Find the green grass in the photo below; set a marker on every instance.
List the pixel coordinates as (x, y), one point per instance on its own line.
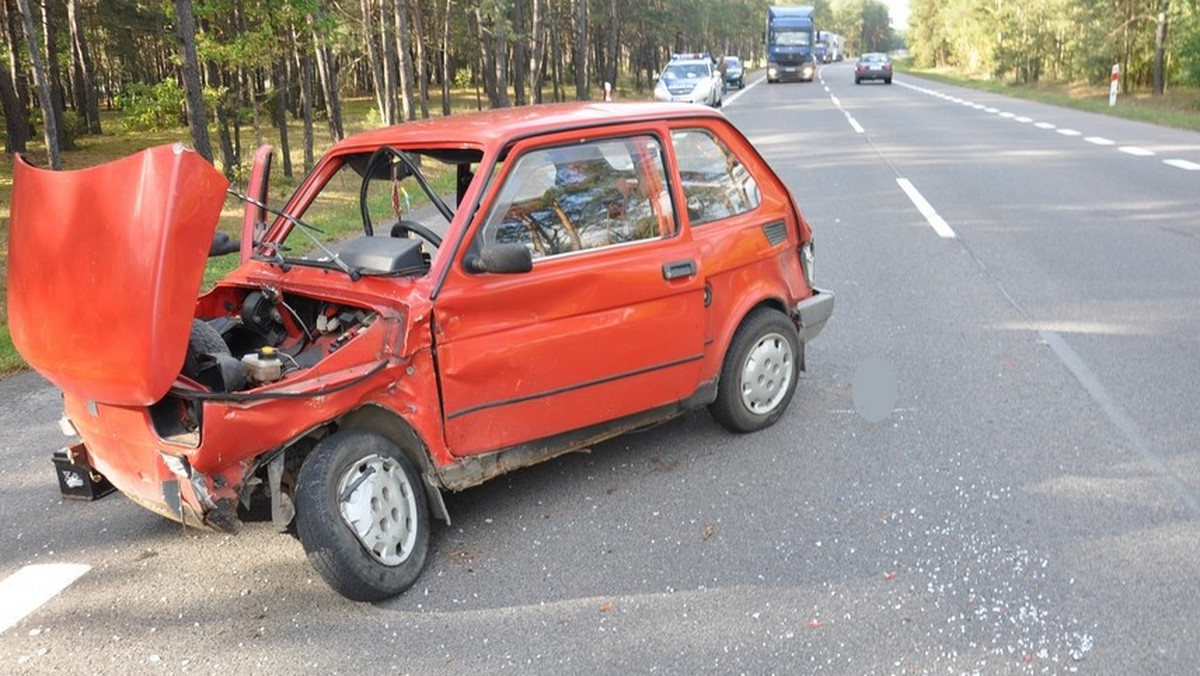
(1179, 107)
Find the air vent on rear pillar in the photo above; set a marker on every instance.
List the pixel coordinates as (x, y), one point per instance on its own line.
(775, 232)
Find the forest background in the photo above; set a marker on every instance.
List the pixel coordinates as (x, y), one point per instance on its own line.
(86, 81)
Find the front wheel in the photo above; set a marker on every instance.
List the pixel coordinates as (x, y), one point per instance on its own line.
(362, 516)
(760, 373)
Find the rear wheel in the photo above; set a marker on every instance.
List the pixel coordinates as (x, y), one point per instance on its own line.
(362, 516)
(760, 373)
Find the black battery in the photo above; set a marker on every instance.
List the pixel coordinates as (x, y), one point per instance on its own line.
(76, 479)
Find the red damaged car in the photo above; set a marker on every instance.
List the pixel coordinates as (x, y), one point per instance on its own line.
(438, 303)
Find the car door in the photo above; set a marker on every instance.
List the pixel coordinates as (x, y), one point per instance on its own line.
(609, 321)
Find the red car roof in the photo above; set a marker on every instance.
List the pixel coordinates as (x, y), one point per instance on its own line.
(498, 126)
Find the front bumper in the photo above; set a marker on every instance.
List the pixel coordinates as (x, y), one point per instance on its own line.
(811, 313)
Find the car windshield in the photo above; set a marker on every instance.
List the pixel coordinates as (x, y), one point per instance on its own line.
(686, 71)
(351, 201)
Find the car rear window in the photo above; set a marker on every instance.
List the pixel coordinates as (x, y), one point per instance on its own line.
(715, 182)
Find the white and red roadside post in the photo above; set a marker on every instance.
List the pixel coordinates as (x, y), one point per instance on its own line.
(608, 91)
(1112, 87)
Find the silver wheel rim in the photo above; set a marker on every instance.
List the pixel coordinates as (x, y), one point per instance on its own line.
(767, 373)
(378, 503)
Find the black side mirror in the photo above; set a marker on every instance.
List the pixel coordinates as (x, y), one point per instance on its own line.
(501, 258)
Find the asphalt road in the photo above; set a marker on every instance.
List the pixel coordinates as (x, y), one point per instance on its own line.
(1025, 500)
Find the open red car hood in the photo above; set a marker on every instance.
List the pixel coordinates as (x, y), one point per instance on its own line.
(104, 266)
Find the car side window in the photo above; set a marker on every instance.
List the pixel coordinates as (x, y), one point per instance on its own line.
(715, 183)
(575, 198)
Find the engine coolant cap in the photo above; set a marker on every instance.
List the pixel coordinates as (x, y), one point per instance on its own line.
(267, 352)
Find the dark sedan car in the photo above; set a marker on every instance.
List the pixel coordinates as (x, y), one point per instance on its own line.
(873, 66)
(734, 73)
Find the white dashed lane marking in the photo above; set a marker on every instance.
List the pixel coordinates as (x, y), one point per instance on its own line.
(1136, 151)
(1183, 164)
(935, 221)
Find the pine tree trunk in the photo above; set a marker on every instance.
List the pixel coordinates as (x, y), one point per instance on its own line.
(43, 88)
(520, 60)
(306, 95)
(16, 114)
(614, 42)
(447, 76)
(54, 77)
(405, 79)
(579, 34)
(422, 57)
(537, 51)
(1160, 48)
(387, 39)
(327, 76)
(86, 100)
(228, 157)
(281, 108)
(197, 117)
(378, 85)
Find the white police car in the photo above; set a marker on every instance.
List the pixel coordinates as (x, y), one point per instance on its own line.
(691, 78)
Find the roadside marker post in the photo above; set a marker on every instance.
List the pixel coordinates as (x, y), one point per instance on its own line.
(1112, 87)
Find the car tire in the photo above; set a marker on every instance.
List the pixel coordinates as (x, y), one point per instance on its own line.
(362, 515)
(887, 81)
(203, 341)
(857, 81)
(759, 374)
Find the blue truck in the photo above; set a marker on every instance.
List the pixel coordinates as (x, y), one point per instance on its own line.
(790, 40)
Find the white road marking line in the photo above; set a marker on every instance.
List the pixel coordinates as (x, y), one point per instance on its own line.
(1136, 151)
(1070, 132)
(931, 216)
(991, 110)
(1008, 115)
(1100, 141)
(1044, 125)
(1183, 164)
(27, 589)
(854, 123)
(1121, 419)
(1022, 119)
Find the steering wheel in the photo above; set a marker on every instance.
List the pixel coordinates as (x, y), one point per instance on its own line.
(402, 228)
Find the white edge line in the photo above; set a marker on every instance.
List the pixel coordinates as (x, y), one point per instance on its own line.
(931, 216)
(27, 589)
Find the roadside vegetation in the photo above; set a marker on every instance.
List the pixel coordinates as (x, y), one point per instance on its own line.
(1065, 51)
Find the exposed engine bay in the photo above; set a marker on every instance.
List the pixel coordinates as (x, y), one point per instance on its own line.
(266, 337)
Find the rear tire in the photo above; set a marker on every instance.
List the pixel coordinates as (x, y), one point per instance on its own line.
(362, 516)
(759, 374)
